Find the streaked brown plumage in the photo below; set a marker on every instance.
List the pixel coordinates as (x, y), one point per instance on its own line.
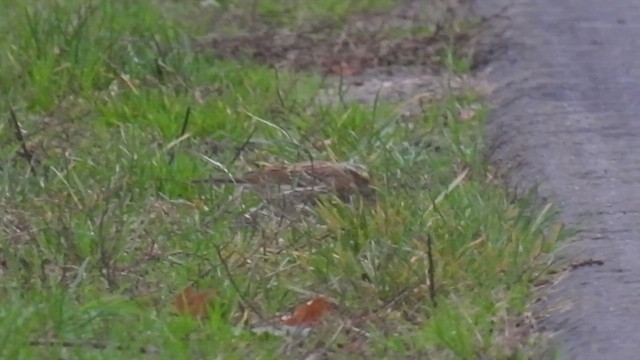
(343, 178)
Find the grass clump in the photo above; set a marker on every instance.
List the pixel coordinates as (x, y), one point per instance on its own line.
(101, 228)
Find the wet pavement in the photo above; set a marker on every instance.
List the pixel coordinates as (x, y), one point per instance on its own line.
(567, 116)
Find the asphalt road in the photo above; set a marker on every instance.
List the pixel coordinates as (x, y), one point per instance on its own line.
(568, 116)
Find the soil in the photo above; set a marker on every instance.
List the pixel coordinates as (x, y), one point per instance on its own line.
(394, 55)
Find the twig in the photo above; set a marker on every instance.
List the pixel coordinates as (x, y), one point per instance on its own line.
(18, 133)
(342, 91)
(159, 71)
(235, 286)
(244, 145)
(431, 271)
(283, 104)
(185, 122)
(586, 263)
(324, 80)
(183, 130)
(158, 59)
(546, 270)
(97, 345)
(396, 298)
(374, 113)
(388, 303)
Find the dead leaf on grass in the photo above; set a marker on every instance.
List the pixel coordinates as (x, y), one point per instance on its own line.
(303, 319)
(193, 303)
(309, 313)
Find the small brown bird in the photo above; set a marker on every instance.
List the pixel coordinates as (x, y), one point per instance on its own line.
(342, 178)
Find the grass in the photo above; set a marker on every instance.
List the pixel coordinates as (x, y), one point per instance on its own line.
(102, 233)
(236, 16)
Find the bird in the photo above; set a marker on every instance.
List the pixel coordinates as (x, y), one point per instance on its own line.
(339, 177)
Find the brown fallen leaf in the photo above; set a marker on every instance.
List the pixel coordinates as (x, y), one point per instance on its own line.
(193, 303)
(309, 313)
(300, 322)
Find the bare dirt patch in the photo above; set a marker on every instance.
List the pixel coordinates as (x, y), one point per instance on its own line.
(413, 54)
(412, 34)
(346, 52)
